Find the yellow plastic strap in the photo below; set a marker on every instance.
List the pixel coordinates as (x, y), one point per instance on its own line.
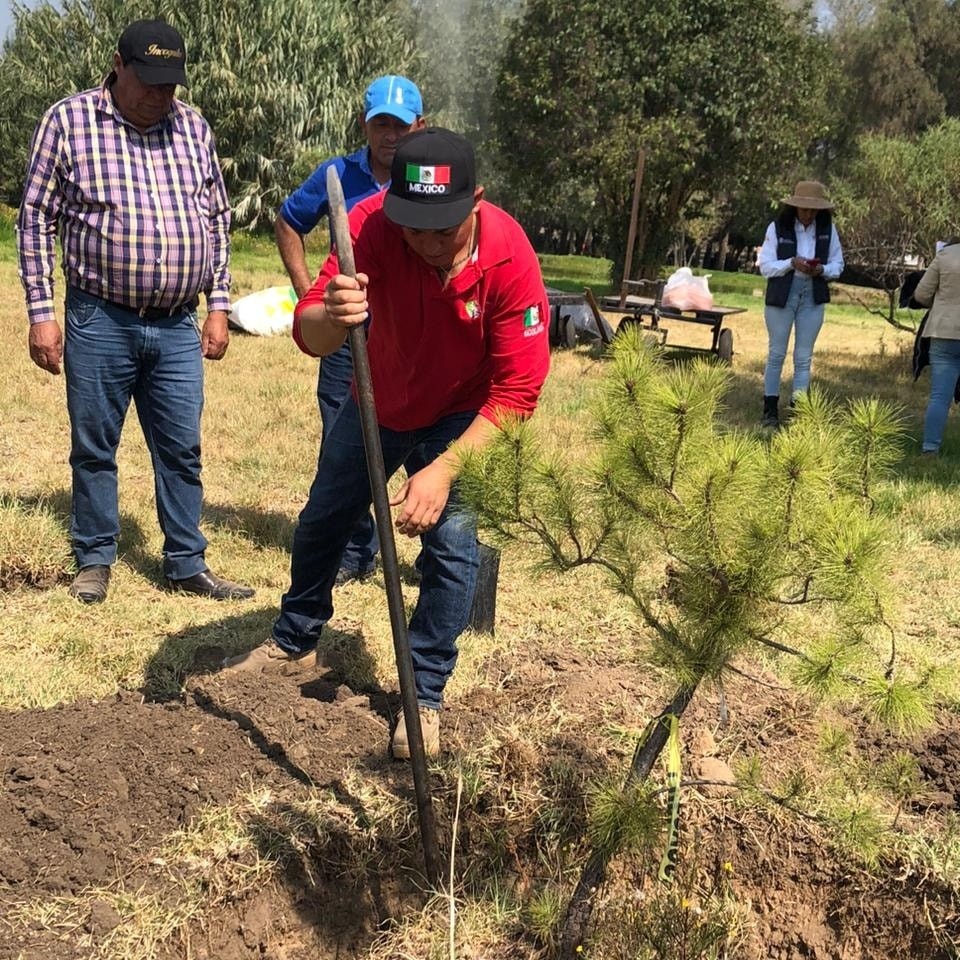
(668, 865)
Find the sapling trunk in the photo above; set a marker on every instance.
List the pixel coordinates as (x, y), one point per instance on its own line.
(594, 872)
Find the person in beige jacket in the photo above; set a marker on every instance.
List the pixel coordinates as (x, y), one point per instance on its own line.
(939, 289)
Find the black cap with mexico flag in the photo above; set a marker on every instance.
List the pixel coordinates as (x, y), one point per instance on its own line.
(432, 180)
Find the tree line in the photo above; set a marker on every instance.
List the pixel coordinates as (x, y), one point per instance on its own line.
(731, 101)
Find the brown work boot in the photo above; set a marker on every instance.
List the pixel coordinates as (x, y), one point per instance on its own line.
(91, 583)
(429, 724)
(269, 654)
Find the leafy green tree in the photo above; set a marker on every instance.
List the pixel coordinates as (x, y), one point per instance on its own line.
(897, 198)
(718, 539)
(272, 79)
(898, 59)
(721, 94)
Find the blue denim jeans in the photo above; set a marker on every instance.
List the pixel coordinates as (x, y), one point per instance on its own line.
(944, 371)
(333, 388)
(112, 355)
(340, 494)
(805, 318)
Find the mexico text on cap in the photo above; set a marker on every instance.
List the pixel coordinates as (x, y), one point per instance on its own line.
(433, 180)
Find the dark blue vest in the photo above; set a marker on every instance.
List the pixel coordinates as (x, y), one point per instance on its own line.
(778, 288)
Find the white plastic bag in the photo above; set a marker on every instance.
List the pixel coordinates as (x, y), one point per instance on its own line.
(265, 313)
(684, 291)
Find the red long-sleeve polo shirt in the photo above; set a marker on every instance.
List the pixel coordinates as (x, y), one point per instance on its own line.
(480, 343)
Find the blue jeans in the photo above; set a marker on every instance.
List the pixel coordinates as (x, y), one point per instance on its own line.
(339, 496)
(112, 355)
(333, 388)
(944, 371)
(803, 316)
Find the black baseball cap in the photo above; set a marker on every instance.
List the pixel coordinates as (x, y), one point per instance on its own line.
(432, 180)
(156, 52)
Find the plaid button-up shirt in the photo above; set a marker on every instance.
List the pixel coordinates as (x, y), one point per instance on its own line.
(143, 217)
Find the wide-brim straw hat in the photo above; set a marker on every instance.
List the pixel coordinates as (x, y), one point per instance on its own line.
(810, 194)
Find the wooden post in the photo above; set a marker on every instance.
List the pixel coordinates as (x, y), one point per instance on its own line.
(632, 233)
(722, 252)
(605, 333)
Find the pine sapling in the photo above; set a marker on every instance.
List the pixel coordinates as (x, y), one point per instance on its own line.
(746, 533)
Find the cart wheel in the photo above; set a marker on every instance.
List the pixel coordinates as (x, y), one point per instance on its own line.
(568, 332)
(625, 323)
(725, 346)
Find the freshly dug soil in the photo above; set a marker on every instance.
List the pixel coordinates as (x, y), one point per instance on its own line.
(91, 789)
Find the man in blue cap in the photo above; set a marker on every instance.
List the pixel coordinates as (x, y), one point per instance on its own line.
(393, 108)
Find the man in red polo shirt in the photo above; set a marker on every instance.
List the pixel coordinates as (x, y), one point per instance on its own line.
(458, 340)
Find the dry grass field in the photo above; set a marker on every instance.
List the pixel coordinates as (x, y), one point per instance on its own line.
(306, 846)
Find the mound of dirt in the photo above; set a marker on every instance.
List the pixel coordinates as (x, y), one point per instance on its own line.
(91, 789)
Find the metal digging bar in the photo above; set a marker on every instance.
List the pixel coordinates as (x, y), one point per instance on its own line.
(388, 547)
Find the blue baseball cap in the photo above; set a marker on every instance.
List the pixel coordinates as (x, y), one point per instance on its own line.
(396, 96)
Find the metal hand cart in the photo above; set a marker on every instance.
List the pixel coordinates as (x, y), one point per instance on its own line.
(649, 312)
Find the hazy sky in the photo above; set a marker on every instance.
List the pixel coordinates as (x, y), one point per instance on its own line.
(5, 17)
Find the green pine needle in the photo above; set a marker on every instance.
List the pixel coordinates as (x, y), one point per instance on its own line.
(898, 704)
(860, 830)
(623, 818)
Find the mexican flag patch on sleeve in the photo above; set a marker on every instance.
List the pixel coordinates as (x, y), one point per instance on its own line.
(531, 316)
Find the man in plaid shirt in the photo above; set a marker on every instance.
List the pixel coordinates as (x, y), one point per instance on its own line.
(129, 178)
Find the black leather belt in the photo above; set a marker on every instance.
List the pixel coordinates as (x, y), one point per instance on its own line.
(157, 313)
(147, 313)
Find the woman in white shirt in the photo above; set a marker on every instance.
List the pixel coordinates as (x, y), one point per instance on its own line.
(800, 253)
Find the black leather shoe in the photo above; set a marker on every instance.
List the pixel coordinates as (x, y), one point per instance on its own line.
(207, 584)
(349, 574)
(90, 584)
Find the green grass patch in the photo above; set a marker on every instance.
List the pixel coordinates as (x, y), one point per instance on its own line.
(34, 552)
(573, 273)
(8, 240)
(253, 252)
